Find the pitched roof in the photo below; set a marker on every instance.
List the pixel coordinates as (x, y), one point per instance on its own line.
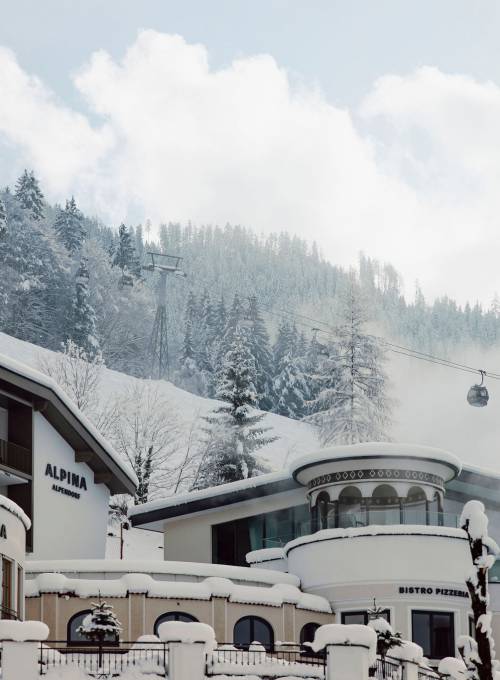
(90, 446)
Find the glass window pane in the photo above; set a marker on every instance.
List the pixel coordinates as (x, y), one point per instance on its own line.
(349, 618)
(443, 635)
(421, 631)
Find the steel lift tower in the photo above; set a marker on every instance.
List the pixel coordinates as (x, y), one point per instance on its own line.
(158, 345)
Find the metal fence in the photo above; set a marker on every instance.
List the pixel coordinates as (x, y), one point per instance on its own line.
(387, 669)
(289, 662)
(105, 660)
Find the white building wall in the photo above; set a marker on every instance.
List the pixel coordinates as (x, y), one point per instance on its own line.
(65, 527)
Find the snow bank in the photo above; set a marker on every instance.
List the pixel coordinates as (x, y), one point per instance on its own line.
(407, 651)
(376, 530)
(341, 634)
(197, 569)
(23, 631)
(454, 668)
(14, 508)
(380, 625)
(179, 631)
(275, 596)
(265, 555)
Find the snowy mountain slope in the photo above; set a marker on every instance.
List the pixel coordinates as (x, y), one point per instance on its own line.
(431, 407)
(294, 438)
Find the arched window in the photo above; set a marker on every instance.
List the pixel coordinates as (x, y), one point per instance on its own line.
(384, 505)
(351, 513)
(307, 632)
(173, 616)
(75, 622)
(415, 506)
(253, 629)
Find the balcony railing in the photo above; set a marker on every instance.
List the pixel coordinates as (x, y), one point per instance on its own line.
(15, 457)
(386, 517)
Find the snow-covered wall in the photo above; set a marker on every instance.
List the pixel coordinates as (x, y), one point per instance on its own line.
(70, 511)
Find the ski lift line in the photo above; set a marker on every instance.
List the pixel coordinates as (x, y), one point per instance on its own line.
(392, 347)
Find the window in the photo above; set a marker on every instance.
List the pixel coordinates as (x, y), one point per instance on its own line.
(361, 617)
(434, 632)
(7, 612)
(253, 629)
(75, 622)
(20, 593)
(173, 616)
(472, 628)
(231, 541)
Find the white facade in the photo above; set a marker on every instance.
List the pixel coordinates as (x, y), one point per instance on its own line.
(70, 510)
(13, 526)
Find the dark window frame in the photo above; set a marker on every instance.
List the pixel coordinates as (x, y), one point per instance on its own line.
(269, 647)
(175, 617)
(432, 613)
(364, 612)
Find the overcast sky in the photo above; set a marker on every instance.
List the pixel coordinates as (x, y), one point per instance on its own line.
(366, 125)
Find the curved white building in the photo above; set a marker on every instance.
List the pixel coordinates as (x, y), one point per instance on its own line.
(372, 521)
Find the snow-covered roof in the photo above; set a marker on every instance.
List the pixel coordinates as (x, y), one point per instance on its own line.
(63, 413)
(274, 596)
(14, 508)
(376, 450)
(213, 497)
(376, 530)
(190, 569)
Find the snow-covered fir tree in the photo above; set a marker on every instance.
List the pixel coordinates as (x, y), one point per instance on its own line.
(69, 226)
(290, 388)
(126, 258)
(261, 352)
(234, 430)
(101, 625)
(3, 219)
(352, 405)
(29, 195)
(82, 318)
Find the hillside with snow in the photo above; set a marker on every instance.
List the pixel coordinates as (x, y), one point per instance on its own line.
(430, 408)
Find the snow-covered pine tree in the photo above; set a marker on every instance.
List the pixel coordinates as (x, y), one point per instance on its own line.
(69, 226)
(479, 653)
(189, 376)
(352, 405)
(3, 219)
(283, 345)
(205, 332)
(125, 257)
(82, 319)
(290, 388)
(101, 625)
(29, 195)
(235, 431)
(261, 352)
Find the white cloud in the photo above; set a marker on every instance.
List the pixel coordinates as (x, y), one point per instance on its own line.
(412, 177)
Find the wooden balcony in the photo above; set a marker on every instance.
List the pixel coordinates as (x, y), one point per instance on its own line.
(15, 457)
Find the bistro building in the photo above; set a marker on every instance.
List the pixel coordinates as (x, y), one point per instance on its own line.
(353, 523)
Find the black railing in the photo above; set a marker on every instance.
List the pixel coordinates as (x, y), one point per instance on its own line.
(105, 660)
(280, 662)
(427, 674)
(15, 457)
(386, 669)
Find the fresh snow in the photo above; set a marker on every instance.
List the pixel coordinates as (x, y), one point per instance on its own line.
(29, 371)
(179, 631)
(385, 449)
(275, 596)
(376, 530)
(22, 631)
(14, 508)
(294, 438)
(342, 634)
(193, 569)
(265, 555)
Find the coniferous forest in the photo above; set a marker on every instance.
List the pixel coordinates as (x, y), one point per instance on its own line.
(242, 322)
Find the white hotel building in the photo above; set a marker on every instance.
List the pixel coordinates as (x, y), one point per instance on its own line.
(269, 558)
